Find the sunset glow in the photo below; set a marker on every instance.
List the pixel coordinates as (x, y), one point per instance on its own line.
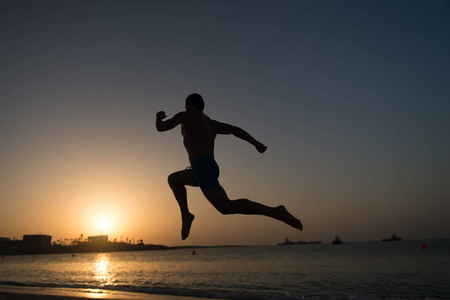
(104, 223)
(351, 99)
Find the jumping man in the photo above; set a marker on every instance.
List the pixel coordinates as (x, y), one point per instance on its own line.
(199, 133)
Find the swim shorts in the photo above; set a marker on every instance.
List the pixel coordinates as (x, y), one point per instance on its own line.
(205, 172)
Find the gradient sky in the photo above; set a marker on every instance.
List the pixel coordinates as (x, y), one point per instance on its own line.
(351, 97)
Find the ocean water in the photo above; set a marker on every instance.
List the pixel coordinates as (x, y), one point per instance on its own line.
(364, 270)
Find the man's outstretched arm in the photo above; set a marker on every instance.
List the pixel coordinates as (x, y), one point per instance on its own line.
(222, 128)
(168, 124)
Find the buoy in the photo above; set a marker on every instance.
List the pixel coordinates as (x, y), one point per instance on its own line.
(73, 255)
(193, 252)
(423, 246)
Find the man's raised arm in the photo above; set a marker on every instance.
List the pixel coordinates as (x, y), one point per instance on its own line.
(168, 124)
(222, 128)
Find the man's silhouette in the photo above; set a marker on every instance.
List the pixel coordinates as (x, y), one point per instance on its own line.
(199, 133)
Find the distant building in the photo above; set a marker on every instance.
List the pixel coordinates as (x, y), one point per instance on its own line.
(98, 239)
(37, 240)
(4, 240)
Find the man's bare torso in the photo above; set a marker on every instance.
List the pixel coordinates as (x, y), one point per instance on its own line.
(199, 133)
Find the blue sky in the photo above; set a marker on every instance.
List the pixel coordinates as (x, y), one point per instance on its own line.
(351, 98)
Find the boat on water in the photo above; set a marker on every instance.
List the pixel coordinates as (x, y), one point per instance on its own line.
(289, 242)
(337, 241)
(394, 237)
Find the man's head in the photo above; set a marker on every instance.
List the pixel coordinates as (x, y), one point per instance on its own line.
(196, 101)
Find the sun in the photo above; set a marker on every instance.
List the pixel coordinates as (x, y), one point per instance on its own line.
(104, 223)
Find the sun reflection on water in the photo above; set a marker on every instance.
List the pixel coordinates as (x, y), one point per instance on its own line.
(102, 270)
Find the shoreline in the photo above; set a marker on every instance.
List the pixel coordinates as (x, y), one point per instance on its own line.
(74, 251)
(38, 293)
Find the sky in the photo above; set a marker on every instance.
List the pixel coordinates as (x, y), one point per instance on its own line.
(350, 97)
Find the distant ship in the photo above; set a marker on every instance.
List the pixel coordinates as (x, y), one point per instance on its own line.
(288, 242)
(394, 237)
(337, 241)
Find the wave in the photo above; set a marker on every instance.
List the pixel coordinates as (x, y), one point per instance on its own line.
(191, 292)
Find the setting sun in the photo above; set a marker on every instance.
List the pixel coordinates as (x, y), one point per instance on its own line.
(104, 223)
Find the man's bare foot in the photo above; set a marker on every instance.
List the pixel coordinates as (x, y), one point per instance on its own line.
(186, 227)
(286, 217)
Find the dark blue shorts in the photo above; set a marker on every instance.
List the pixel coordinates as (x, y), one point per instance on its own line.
(205, 172)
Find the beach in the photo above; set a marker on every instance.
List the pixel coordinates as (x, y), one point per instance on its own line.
(27, 293)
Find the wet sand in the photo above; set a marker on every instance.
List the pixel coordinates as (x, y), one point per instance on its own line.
(26, 293)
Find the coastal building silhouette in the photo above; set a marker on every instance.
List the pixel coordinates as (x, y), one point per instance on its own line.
(38, 241)
(98, 240)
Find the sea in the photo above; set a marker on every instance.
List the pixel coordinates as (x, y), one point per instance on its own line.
(418, 269)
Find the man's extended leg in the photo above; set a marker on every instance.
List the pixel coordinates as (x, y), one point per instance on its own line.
(219, 199)
(177, 182)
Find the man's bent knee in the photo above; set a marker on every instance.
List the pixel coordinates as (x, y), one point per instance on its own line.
(225, 209)
(172, 179)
